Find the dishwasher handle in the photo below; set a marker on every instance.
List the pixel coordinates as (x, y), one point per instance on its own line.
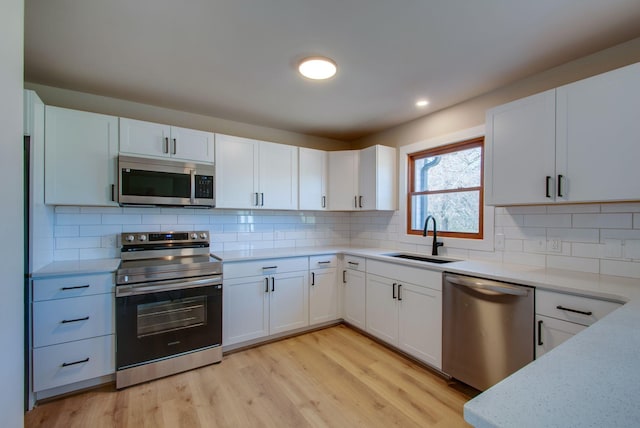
(487, 286)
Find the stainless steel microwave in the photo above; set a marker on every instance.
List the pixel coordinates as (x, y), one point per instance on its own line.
(144, 181)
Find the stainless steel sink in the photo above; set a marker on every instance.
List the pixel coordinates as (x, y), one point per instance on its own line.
(420, 258)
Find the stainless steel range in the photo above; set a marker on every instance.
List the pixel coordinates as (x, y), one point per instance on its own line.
(168, 305)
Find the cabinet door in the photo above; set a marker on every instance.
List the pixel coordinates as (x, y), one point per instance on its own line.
(289, 301)
(381, 307)
(80, 157)
(144, 138)
(355, 298)
(551, 332)
(236, 176)
(420, 323)
(312, 179)
(323, 297)
(343, 180)
(367, 181)
(246, 309)
(278, 176)
(192, 145)
(597, 137)
(377, 178)
(520, 151)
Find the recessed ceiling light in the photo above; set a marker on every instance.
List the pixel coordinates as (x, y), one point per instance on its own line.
(422, 103)
(317, 68)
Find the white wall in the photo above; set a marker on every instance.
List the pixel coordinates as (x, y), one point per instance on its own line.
(11, 216)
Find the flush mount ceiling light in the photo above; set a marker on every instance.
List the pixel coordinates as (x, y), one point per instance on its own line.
(422, 103)
(317, 68)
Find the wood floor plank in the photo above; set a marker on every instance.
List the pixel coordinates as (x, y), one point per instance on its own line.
(334, 377)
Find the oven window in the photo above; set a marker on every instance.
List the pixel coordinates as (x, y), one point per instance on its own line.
(151, 183)
(171, 315)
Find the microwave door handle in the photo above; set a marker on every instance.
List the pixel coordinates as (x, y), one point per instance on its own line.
(193, 187)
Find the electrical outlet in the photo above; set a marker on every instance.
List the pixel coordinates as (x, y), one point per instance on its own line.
(499, 242)
(554, 245)
(109, 241)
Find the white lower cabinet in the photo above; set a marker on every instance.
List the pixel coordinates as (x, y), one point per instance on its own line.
(73, 328)
(552, 332)
(405, 314)
(560, 316)
(354, 291)
(323, 291)
(273, 302)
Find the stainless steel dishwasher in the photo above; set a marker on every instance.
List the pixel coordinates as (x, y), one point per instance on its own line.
(488, 329)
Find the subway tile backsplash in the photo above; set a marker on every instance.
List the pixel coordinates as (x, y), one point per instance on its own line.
(597, 238)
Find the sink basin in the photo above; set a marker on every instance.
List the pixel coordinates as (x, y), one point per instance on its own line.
(420, 258)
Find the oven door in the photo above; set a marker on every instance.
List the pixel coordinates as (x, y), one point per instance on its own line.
(153, 322)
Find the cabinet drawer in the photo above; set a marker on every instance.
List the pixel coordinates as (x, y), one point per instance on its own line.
(354, 262)
(63, 287)
(563, 307)
(264, 267)
(66, 320)
(54, 366)
(402, 273)
(321, 262)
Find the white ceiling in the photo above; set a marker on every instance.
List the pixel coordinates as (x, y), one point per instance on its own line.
(236, 59)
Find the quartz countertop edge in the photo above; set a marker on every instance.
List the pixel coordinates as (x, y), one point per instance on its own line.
(77, 267)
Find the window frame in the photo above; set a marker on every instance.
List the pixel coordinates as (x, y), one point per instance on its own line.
(441, 150)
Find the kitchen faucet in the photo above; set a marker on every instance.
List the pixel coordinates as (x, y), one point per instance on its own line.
(436, 244)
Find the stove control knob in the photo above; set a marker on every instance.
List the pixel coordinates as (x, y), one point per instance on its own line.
(194, 236)
(203, 236)
(130, 238)
(142, 238)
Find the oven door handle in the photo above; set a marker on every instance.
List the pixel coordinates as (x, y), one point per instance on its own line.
(136, 289)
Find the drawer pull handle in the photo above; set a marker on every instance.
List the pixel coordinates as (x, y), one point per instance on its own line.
(354, 263)
(270, 267)
(75, 288)
(74, 320)
(562, 308)
(86, 360)
(324, 263)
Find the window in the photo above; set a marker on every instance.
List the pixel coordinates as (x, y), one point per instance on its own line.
(447, 183)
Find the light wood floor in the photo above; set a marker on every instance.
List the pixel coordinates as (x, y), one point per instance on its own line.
(334, 377)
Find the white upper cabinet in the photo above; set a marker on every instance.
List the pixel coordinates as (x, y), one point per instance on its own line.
(598, 137)
(363, 179)
(377, 178)
(255, 174)
(520, 151)
(312, 179)
(154, 139)
(576, 143)
(80, 157)
(278, 176)
(343, 180)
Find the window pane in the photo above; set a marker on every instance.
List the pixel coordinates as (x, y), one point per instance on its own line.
(454, 212)
(449, 171)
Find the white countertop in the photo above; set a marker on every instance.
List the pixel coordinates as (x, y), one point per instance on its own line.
(593, 379)
(77, 267)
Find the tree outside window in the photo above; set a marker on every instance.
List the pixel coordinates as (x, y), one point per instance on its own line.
(447, 183)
